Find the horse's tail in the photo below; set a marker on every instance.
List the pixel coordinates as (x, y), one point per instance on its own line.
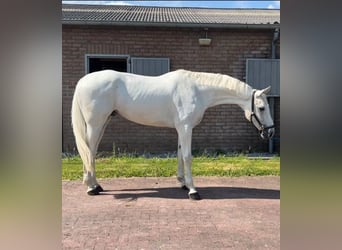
(80, 130)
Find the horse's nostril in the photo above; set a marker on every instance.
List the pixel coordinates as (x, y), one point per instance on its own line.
(263, 134)
(267, 134)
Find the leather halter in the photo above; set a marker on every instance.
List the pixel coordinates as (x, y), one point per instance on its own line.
(263, 127)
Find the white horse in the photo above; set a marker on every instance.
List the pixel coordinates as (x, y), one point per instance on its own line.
(176, 99)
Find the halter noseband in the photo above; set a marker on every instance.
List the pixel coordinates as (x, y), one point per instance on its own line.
(263, 128)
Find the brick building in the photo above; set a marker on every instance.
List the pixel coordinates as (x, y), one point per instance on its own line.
(154, 40)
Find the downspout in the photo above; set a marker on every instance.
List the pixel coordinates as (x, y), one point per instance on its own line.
(276, 35)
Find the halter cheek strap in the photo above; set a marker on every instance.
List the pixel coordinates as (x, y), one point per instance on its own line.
(256, 118)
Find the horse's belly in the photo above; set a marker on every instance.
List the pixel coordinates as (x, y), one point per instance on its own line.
(146, 115)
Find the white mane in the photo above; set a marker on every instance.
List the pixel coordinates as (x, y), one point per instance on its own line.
(226, 82)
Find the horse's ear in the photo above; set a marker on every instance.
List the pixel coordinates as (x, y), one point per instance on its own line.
(266, 90)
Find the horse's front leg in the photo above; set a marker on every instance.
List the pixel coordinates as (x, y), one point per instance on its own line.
(180, 172)
(184, 135)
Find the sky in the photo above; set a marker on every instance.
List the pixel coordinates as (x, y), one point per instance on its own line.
(208, 4)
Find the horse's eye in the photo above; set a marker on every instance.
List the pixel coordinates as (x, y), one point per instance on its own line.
(262, 108)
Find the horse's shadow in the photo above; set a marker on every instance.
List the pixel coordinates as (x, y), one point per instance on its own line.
(215, 193)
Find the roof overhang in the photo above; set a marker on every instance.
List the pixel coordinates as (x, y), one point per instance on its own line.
(174, 25)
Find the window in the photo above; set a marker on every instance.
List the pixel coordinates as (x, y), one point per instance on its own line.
(149, 66)
(102, 62)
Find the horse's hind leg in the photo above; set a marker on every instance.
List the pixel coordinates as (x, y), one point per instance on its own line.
(94, 135)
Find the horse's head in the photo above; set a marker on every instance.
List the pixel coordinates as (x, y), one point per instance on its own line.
(259, 113)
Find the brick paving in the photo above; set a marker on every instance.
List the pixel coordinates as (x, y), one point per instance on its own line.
(154, 213)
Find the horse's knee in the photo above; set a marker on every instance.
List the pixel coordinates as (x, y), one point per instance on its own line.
(187, 160)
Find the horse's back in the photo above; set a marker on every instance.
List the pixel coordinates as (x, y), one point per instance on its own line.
(142, 99)
(100, 78)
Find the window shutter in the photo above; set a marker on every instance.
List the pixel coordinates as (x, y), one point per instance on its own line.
(150, 66)
(261, 73)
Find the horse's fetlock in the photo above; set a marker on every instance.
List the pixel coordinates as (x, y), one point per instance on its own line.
(85, 179)
(181, 179)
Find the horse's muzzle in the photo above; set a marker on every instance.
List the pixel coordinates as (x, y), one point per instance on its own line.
(267, 133)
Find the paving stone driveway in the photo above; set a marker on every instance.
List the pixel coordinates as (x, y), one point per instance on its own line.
(154, 213)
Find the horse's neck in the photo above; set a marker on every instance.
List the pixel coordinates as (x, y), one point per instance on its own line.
(220, 94)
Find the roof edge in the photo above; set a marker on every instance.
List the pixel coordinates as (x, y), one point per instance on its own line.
(67, 5)
(174, 25)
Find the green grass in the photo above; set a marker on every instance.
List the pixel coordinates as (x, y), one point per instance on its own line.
(109, 167)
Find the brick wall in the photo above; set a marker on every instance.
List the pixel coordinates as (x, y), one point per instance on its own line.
(223, 128)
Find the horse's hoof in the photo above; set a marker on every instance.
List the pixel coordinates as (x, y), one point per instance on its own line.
(184, 187)
(194, 196)
(95, 191)
(99, 188)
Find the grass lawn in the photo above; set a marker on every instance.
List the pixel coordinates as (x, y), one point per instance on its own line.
(109, 167)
